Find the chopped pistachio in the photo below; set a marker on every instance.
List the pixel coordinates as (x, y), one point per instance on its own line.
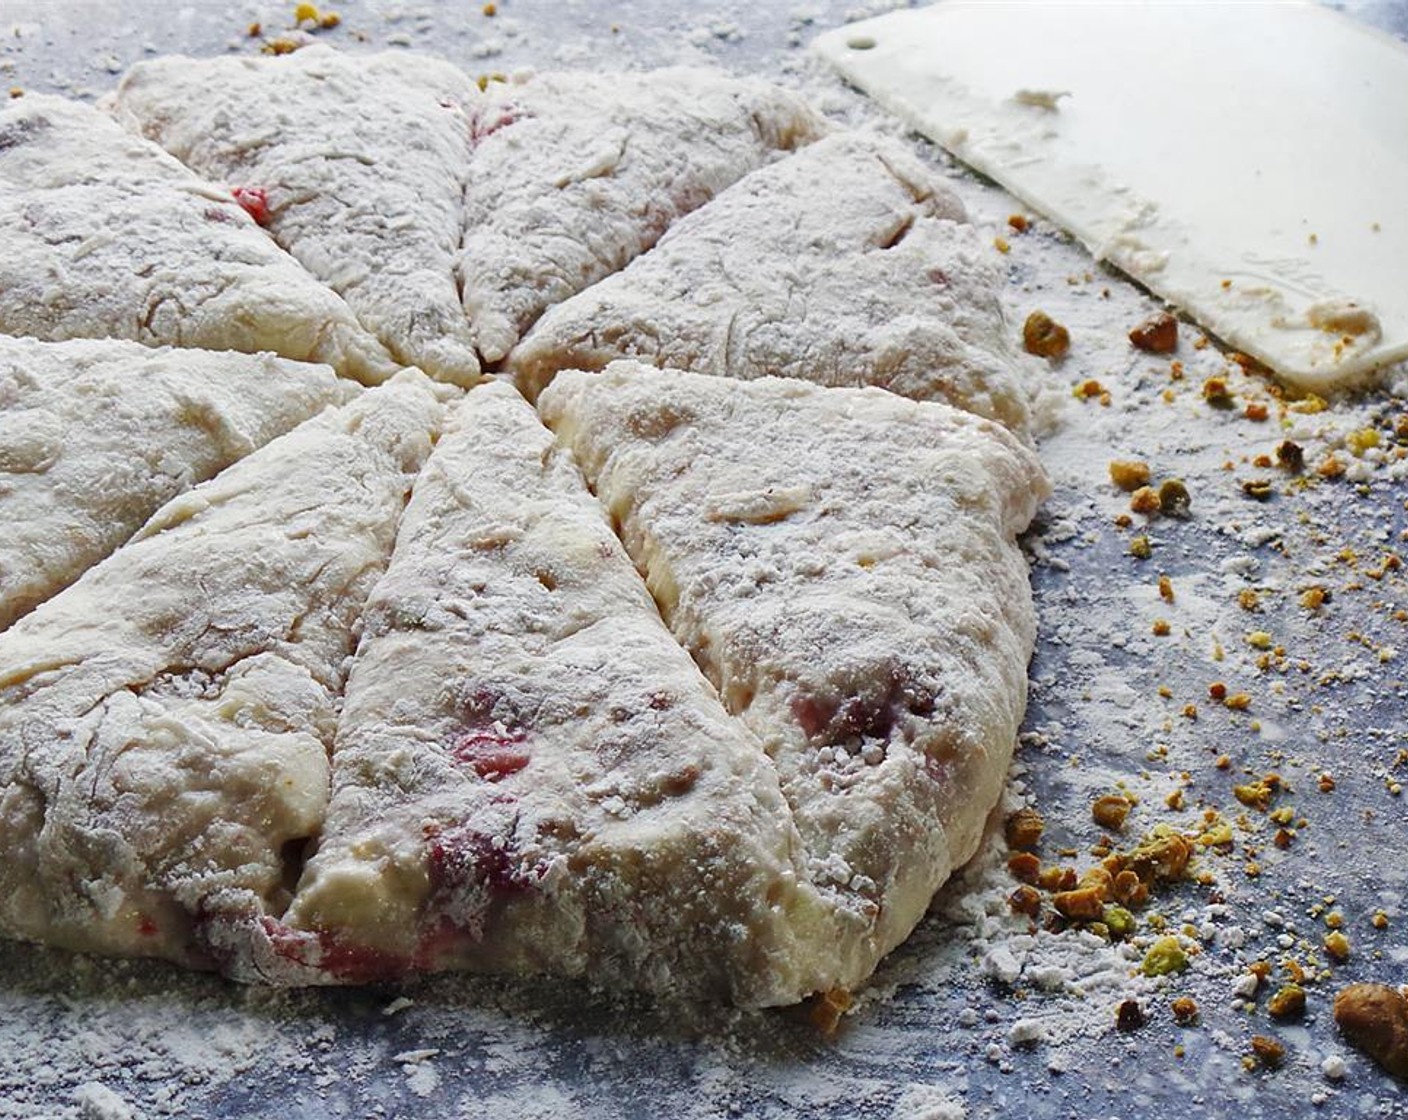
(1165, 956)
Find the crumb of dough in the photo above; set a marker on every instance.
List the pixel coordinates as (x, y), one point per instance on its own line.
(1025, 900)
(1290, 456)
(1024, 867)
(1082, 904)
(1313, 598)
(1047, 99)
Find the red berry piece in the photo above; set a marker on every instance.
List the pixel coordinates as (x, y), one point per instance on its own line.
(255, 201)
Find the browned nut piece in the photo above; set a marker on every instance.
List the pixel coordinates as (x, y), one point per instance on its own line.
(1254, 795)
(1044, 337)
(1024, 866)
(1270, 1052)
(828, 1007)
(1185, 1011)
(1110, 811)
(1287, 1003)
(1290, 456)
(1083, 904)
(1025, 900)
(1157, 334)
(1023, 829)
(1337, 945)
(1217, 394)
(1129, 474)
(1174, 499)
(1145, 500)
(1099, 880)
(1374, 1018)
(1161, 857)
(1130, 889)
(1129, 1016)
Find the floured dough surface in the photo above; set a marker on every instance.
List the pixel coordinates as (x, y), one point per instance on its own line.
(576, 173)
(104, 235)
(359, 161)
(699, 683)
(95, 436)
(530, 774)
(843, 565)
(164, 722)
(847, 263)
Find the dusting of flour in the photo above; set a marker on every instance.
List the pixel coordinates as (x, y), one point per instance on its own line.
(982, 1013)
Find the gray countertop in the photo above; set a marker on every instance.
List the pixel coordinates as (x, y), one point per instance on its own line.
(975, 1016)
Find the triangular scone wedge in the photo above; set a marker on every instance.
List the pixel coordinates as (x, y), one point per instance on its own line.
(104, 235)
(530, 774)
(95, 436)
(576, 173)
(356, 162)
(165, 721)
(843, 565)
(848, 263)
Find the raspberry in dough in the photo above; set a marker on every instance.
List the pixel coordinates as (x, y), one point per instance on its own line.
(843, 565)
(847, 263)
(530, 774)
(354, 162)
(165, 721)
(104, 235)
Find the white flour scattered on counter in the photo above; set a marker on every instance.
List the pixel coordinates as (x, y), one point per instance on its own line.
(980, 1014)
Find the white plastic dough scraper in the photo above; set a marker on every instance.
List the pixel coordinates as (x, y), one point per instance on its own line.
(1247, 162)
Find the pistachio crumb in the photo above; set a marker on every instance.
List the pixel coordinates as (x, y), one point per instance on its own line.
(1044, 337)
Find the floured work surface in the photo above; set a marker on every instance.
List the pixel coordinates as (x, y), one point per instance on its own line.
(981, 1013)
(1246, 162)
(378, 691)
